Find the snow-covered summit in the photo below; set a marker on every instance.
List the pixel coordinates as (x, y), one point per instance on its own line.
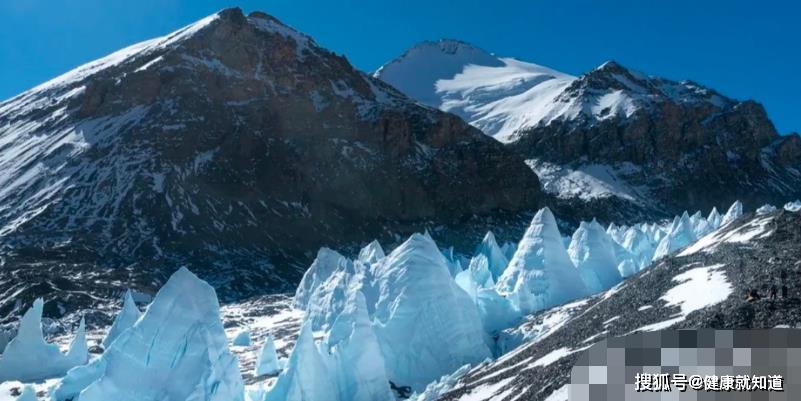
(417, 70)
(495, 94)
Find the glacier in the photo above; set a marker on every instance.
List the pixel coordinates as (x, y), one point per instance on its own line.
(128, 315)
(359, 364)
(649, 242)
(27, 394)
(426, 325)
(308, 376)
(437, 389)
(242, 338)
(374, 326)
(479, 270)
(509, 249)
(372, 252)
(496, 311)
(541, 274)
(641, 247)
(496, 259)
(347, 366)
(698, 224)
(28, 358)
(734, 212)
(324, 287)
(78, 353)
(627, 268)
(5, 337)
(453, 261)
(326, 262)
(267, 363)
(468, 284)
(679, 235)
(714, 219)
(176, 351)
(592, 251)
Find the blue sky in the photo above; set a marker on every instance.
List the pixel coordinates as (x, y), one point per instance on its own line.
(744, 49)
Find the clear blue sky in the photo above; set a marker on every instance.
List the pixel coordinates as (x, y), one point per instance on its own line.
(744, 49)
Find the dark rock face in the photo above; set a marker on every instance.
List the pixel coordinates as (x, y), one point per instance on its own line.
(235, 146)
(638, 303)
(691, 148)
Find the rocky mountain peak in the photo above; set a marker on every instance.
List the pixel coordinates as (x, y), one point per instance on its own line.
(233, 146)
(620, 77)
(236, 15)
(645, 90)
(611, 66)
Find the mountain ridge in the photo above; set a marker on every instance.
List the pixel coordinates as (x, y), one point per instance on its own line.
(233, 146)
(614, 133)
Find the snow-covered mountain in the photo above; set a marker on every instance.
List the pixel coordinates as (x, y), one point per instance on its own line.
(502, 95)
(612, 133)
(234, 146)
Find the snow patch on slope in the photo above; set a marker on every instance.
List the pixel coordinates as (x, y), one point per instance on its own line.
(759, 228)
(488, 392)
(698, 288)
(587, 182)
